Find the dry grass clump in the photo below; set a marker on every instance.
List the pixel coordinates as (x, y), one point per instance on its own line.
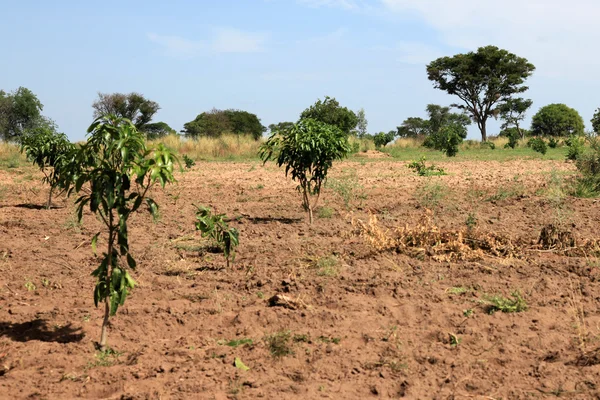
(427, 239)
(227, 146)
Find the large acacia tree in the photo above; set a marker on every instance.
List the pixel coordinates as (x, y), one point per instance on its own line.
(20, 111)
(481, 79)
(132, 106)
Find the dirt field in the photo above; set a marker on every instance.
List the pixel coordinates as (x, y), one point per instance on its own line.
(358, 322)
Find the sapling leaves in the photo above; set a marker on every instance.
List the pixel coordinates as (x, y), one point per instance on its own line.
(214, 226)
(115, 154)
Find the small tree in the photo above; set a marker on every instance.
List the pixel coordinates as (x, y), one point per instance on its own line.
(361, 124)
(596, 122)
(307, 150)
(413, 127)
(214, 226)
(557, 120)
(330, 112)
(119, 170)
(382, 139)
(512, 112)
(51, 152)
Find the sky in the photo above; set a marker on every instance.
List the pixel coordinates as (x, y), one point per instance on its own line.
(275, 58)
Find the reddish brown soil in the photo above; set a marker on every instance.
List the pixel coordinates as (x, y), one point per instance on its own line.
(374, 325)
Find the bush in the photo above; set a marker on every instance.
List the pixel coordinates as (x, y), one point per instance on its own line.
(423, 170)
(588, 165)
(553, 143)
(557, 120)
(513, 138)
(575, 146)
(382, 139)
(537, 144)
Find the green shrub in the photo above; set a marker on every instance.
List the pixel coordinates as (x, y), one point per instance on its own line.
(214, 226)
(422, 169)
(506, 305)
(588, 165)
(553, 143)
(537, 144)
(189, 163)
(575, 146)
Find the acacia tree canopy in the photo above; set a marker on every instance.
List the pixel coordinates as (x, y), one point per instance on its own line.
(481, 79)
(512, 112)
(133, 106)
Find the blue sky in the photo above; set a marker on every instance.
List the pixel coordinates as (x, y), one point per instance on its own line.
(276, 57)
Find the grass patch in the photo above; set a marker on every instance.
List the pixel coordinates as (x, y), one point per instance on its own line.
(325, 212)
(430, 194)
(327, 266)
(503, 304)
(279, 343)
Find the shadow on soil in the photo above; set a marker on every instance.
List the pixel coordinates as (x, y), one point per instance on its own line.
(266, 220)
(38, 330)
(31, 206)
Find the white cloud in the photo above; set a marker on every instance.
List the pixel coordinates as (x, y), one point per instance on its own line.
(557, 36)
(222, 40)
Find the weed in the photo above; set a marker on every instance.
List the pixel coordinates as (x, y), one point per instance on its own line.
(236, 342)
(506, 305)
(454, 340)
(301, 338)
(511, 190)
(104, 358)
(29, 285)
(189, 163)
(327, 266)
(468, 312)
(279, 344)
(326, 339)
(431, 194)
(457, 290)
(423, 170)
(325, 212)
(348, 189)
(260, 295)
(471, 222)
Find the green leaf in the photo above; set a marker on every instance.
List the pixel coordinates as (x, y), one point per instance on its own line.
(94, 241)
(131, 262)
(240, 365)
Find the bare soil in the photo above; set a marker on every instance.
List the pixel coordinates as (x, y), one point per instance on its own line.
(350, 321)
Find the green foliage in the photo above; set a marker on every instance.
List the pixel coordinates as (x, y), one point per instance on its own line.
(575, 147)
(481, 79)
(512, 112)
(133, 106)
(431, 194)
(280, 126)
(20, 110)
(421, 169)
(348, 189)
(537, 144)
(553, 142)
(506, 305)
(330, 112)
(361, 124)
(114, 170)
(307, 150)
(446, 130)
(513, 136)
(214, 226)
(382, 139)
(189, 163)
(596, 122)
(413, 127)
(158, 130)
(588, 165)
(51, 152)
(557, 120)
(216, 122)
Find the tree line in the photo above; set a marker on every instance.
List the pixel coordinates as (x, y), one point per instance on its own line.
(488, 82)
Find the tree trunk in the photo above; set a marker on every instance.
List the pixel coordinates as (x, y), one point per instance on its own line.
(104, 333)
(520, 131)
(483, 130)
(49, 199)
(310, 215)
